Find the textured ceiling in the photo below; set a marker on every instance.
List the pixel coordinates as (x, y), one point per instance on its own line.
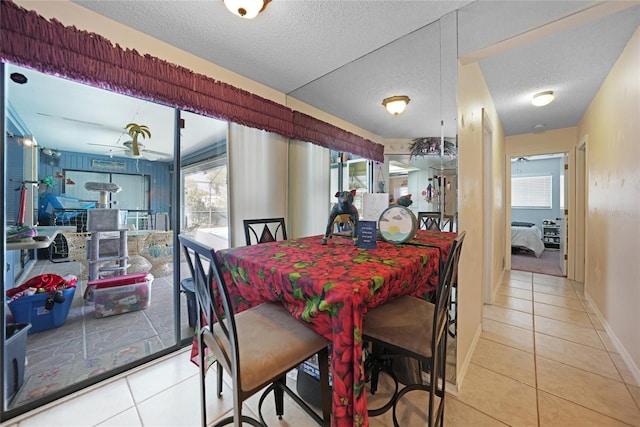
(344, 57)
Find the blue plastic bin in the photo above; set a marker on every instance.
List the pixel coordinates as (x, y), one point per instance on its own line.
(31, 310)
(15, 351)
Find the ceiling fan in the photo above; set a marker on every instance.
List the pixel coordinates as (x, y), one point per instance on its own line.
(127, 149)
(134, 148)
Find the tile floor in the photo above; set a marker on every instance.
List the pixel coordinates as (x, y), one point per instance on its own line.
(543, 359)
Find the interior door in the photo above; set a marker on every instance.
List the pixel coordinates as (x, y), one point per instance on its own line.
(565, 215)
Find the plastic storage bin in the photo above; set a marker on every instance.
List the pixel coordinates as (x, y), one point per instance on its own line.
(121, 294)
(15, 348)
(32, 310)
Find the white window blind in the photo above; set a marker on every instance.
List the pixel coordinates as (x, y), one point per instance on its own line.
(531, 192)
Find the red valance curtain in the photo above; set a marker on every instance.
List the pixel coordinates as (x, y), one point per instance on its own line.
(33, 41)
(307, 128)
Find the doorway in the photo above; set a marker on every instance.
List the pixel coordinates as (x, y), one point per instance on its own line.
(538, 206)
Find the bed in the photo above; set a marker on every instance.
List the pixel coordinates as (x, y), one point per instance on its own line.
(525, 235)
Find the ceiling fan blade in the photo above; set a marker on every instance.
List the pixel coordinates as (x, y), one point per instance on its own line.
(104, 145)
(156, 153)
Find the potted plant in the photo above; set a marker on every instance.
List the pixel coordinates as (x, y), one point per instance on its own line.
(430, 146)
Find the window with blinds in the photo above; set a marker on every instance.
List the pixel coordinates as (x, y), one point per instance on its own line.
(531, 192)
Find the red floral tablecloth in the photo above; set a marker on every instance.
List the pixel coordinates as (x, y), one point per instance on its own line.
(330, 287)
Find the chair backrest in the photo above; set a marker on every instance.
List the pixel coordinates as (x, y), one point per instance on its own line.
(213, 301)
(447, 280)
(264, 230)
(429, 220)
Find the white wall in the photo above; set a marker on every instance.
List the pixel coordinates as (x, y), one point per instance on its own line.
(611, 126)
(473, 97)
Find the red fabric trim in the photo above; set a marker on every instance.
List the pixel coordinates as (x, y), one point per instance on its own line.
(32, 41)
(307, 128)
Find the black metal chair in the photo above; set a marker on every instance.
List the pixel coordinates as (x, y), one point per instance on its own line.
(416, 328)
(257, 346)
(273, 229)
(429, 221)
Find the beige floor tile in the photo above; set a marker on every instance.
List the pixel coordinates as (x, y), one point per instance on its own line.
(578, 287)
(576, 355)
(383, 394)
(161, 376)
(551, 280)
(500, 397)
(86, 409)
(559, 301)
(504, 333)
(555, 411)
(635, 392)
(581, 296)
(568, 331)
(515, 292)
(411, 410)
(600, 394)
(458, 414)
(566, 315)
(128, 418)
(519, 275)
(514, 303)
(606, 340)
(625, 373)
(520, 284)
(294, 415)
(505, 360)
(596, 322)
(180, 405)
(560, 290)
(587, 307)
(506, 315)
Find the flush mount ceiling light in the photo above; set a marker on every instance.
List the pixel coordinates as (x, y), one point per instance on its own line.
(247, 9)
(542, 98)
(396, 104)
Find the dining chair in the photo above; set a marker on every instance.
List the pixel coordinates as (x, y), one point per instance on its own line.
(415, 328)
(257, 346)
(264, 230)
(429, 221)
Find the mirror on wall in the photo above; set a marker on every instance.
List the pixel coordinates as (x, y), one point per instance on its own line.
(429, 175)
(84, 153)
(432, 181)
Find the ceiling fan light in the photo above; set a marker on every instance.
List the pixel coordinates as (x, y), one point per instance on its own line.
(396, 104)
(247, 9)
(543, 98)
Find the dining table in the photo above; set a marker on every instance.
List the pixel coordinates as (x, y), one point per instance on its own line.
(330, 288)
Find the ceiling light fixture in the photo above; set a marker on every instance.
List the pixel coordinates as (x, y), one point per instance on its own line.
(542, 98)
(247, 9)
(396, 104)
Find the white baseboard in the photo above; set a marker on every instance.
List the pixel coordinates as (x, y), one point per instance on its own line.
(465, 364)
(626, 357)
